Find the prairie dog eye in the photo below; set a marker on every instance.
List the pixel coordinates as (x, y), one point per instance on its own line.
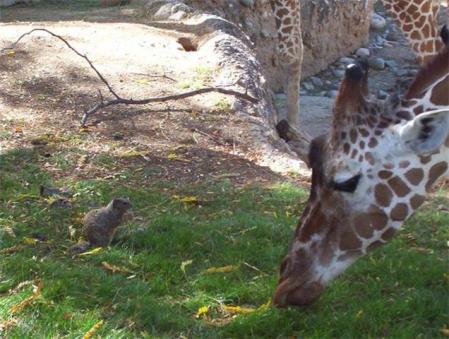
(348, 186)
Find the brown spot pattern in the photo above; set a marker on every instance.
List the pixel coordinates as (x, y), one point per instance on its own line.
(415, 175)
(349, 241)
(399, 212)
(388, 234)
(435, 172)
(363, 227)
(399, 187)
(416, 201)
(378, 218)
(385, 174)
(383, 195)
(374, 245)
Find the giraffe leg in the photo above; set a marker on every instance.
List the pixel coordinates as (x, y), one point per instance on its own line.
(288, 23)
(293, 84)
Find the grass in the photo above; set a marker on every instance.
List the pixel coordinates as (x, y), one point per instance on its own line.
(400, 291)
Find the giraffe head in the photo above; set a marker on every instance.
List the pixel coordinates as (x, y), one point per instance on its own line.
(369, 174)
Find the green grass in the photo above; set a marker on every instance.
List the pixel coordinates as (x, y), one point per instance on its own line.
(397, 292)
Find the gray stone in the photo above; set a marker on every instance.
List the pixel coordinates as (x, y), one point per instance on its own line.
(308, 86)
(377, 22)
(317, 82)
(178, 16)
(363, 52)
(346, 60)
(391, 63)
(332, 94)
(264, 34)
(382, 94)
(339, 73)
(377, 63)
(247, 3)
(401, 72)
(7, 3)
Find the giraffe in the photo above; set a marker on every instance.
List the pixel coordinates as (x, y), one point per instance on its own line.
(369, 174)
(416, 18)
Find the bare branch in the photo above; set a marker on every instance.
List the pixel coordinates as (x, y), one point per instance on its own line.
(184, 95)
(73, 49)
(123, 101)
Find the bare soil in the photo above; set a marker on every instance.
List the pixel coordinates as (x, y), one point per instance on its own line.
(45, 88)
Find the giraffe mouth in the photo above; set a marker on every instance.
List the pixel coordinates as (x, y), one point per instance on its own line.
(288, 293)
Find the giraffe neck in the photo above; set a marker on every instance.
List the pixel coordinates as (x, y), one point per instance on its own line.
(418, 20)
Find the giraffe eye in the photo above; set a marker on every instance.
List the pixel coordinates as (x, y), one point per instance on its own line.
(348, 186)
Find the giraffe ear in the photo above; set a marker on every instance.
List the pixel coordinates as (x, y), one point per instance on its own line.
(426, 132)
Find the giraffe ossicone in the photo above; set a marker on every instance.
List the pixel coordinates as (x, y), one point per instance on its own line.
(369, 174)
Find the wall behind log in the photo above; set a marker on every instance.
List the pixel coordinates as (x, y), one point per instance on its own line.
(331, 28)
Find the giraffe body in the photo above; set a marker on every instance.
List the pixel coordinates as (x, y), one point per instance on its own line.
(370, 173)
(416, 18)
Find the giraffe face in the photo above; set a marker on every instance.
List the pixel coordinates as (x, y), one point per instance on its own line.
(368, 175)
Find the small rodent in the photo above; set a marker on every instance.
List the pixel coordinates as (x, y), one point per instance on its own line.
(100, 225)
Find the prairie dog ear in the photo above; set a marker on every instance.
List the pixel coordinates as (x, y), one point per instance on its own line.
(426, 132)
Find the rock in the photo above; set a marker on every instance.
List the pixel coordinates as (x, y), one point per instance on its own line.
(382, 94)
(7, 3)
(391, 64)
(178, 16)
(247, 3)
(377, 22)
(332, 94)
(401, 72)
(317, 82)
(377, 64)
(346, 60)
(363, 52)
(264, 34)
(308, 86)
(339, 73)
(412, 72)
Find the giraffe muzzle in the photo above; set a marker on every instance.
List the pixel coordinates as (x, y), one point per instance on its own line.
(302, 295)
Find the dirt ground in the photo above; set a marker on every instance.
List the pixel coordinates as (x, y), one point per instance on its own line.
(45, 88)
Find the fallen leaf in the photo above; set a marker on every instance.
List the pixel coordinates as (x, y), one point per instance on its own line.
(30, 241)
(143, 81)
(189, 199)
(11, 53)
(12, 249)
(172, 156)
(184, 264)
(445, 331)
(27, 301)
(265, 306)
(89, 334)
(238, 309)
(114, 268)
(204, 310)
(7, 324)
(223, 269)
(359, 314)
(96, 250)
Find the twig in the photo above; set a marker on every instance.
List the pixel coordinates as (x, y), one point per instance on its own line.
(73, 49)
(123, 101)
(156, 76)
